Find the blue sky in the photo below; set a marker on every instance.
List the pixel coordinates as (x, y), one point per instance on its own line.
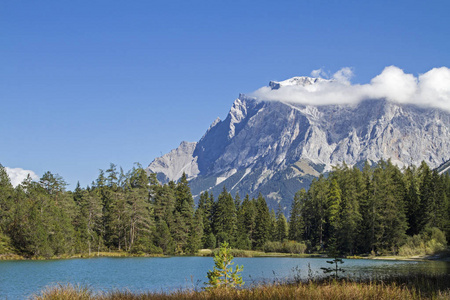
(86, 83)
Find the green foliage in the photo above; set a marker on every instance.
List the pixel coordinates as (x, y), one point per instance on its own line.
(246, 224)
(281, 226)
(223, 275)
(210, 241)
(225, 218)
(262, 223)
(297, 219)
(5, 244)
(372, 210)
(336, 269)
(380, 209)
(429, 242)
(285, 247)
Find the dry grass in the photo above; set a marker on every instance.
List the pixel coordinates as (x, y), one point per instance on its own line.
(75, 292)
(404, 287)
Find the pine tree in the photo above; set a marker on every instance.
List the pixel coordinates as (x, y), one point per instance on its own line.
(185, 206)
(245, 224)
(412, 201)
(262, 222)
(296, 221)
(222, 275)
(205, 209)
(365, 234)
(272, 226)
(349, 180)
(179, 232)
(391, 193)
(426, 195)
(316, 211)
(137, 191)
(88, 221)
(6, 200)
(334, 213)
(163, 237)
(225, 218)
(195, 234)
(282, 226)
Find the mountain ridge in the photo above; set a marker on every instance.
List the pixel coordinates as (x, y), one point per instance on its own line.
(276, 147)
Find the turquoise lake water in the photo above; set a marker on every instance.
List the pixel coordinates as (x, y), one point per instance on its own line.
(21, 279)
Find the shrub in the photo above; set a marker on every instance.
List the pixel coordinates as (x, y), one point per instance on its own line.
(222, 275)
(285, 247)
(428, 242)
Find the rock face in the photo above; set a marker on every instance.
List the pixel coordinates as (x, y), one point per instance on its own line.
(444, 168)
(171, 166)
(276, 148)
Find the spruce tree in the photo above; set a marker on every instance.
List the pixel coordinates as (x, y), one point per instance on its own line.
(225, 218)
(262, 223)
(334, 213)
(245, 224)
(281, 226)
(296, 220)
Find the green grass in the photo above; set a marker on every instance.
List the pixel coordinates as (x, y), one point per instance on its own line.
(11, 256)
(392, 287)
(254, 253)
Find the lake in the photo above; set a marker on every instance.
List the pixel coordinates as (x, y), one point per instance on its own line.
(20, 279)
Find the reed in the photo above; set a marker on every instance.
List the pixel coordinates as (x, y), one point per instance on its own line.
(392, 287)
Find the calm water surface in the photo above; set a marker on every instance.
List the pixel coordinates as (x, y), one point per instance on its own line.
(20, 279)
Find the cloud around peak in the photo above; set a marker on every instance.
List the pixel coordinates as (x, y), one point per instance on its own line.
(431, 89)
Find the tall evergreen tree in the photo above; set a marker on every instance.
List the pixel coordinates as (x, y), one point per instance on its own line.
(245, 224)
(141, 211)
(281, 226)
(334, 213)
(296, 220)
(412, 201)
(316, 211)
(262, 222)
(225, 218)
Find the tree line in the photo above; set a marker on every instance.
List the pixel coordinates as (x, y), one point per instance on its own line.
(373, 210)
(349, 211)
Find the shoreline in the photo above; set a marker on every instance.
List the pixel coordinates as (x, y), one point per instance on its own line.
(445, 256)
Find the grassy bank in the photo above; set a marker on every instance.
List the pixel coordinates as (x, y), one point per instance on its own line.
(13, 256)
(394, 287)
(443, 255)
(254, 253)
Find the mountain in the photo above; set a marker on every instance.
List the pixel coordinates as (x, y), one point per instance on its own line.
(276, 148)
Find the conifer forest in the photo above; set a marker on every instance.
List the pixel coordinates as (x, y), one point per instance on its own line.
(380, 210)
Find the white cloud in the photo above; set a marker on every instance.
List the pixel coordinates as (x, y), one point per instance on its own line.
(319, 73)
(18, 175)
(343, 75)
(430, 89)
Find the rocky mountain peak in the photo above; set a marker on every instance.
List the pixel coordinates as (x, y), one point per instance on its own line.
(276, 148)
(298, 80)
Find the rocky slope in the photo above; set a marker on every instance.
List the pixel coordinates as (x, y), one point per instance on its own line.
(444, 168)
(276, 148)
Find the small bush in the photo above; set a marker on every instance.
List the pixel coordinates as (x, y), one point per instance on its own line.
(222, 275)
(285, 247)
(428, 242)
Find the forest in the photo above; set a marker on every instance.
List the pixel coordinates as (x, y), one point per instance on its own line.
(378, 210)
